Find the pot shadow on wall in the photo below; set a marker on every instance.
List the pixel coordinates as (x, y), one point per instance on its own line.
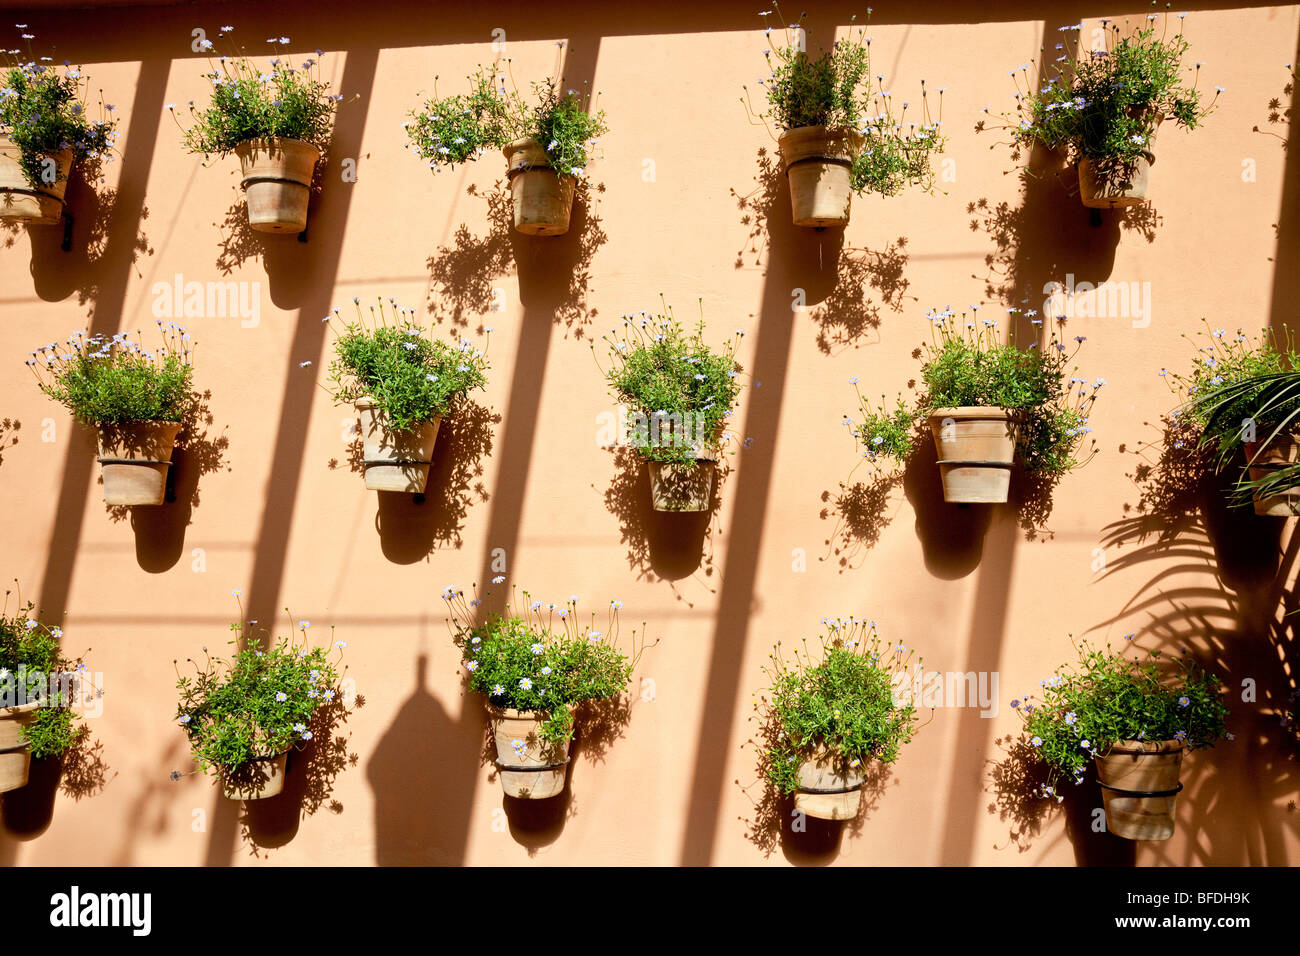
(287, 259)
(661, 545)
(536, 824)
(409, 529)
(1016, 780)
(802, 839)
(553, 272)
(865, 284)
(308, 782)
(423, 772)
(1050, 234)
(58, 274)
(81, 772)
(1221, 593)
(160, 529)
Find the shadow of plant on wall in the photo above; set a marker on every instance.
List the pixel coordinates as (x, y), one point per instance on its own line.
(199, 451)
(8, 438)
(1279, 116)
(861, 514)
(848, 313)
(463, 274)
(663, 546)
(90, 258)
(309, 781)
(410, 531)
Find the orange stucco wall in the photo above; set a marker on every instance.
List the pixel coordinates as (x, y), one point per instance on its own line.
(268, 504)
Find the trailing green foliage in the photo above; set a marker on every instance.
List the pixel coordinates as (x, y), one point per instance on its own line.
(1105, 104)
(539, 657)
(1085, 709)
(411, 378)
(678, 392)
(110, 381)
(966, 366)
(1240, 391)
(250, 103)
(452, 130)
(836, 89)
(43, 111)
(840, 703)
(33, 669)
(258, 703)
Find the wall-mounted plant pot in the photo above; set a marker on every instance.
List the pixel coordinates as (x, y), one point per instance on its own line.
(976, 447)
(1139, 784)
(134, 457)
(541, 197)
(682, 486)
(530, 768)
(21, 200)
(257, 780)
(15, 752)
(829, 790)
(277, 174)
(395, 460)
(1117, 185)
(1282, 452)
(817, 162)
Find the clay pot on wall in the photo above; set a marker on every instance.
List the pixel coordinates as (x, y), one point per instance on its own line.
(395, 460)
(541, 197)
(1117, 185)
(1139, 784)
(817, 161)
(277, 174)
(256, 780)
(829, 790)
(1282, 452)
(682, 486)
(21, 200)
(976, 447)
(530, 768)
(15, 752)
(134, 457)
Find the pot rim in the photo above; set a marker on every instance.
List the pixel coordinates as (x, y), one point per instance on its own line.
(19, 710)
(1146, 748)
(973, 411)
(275, 140)
(510, 713)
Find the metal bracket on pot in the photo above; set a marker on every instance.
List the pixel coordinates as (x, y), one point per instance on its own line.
(133, 461)
(66, 245)
(833, 790)
(1141, 793)
(1094, 217)
(549, 766)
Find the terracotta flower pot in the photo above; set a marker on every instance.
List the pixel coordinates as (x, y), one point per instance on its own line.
(817, 161)
(257, 779)
(542, 198)
(21, 200)
(530, 768)
(395, 460)
(1117, 185)
(1139, 784)
(15, 752)
(134, 458)
(682, 486)
(1282, 452)
(976, 446)
(829, 790)
(277, 174)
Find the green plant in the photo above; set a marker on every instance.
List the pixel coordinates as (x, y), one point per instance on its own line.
(837, 89)
(43, 111)
(1107, 697)
(1104, 104)
(249, 103)
(458, 128)
(838, 702)
(679, 392)
(540, 657)
(259, 702)
(110, 381)
(411, 378)
(965, 364)
(1240, 391)
(33, 669)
